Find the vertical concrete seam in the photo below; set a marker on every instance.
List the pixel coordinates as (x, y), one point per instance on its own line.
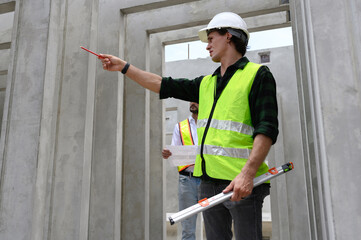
(56, 142)
(147, 146)
(125, 53)
(302, 107)
(89, 128)
(318, 132)
(119, 138)
(45, 157)
(164, 172)
(282, 191)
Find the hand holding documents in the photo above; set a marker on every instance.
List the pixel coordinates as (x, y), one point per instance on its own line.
(182, 155)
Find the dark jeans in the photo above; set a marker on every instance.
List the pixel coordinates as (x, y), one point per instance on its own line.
(246, 214)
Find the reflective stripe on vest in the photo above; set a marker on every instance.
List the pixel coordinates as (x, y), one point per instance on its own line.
(186, 137)
(227, 125)
(228, 140)
(226, 152)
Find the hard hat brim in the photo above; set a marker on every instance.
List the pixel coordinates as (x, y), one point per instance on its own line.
(203, 35)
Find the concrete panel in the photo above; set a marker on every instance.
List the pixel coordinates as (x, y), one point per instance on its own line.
(334, 113)
(106, 166)
(268, 21)
(4, 59)
(3, 79)
(86, 190)
(199, 13)
(156, 174)
(2, 100)
(146, 5)
(7, 6)
(23, 107)
(61, 172)
(330, 109)
(86, 135)
(6, 25)
(66, 204)
(136, 146)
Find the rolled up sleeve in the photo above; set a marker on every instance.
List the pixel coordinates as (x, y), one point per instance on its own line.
(263, 104)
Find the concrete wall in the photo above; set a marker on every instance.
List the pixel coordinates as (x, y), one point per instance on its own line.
(328, 80)
(58, 180)
(80, 147)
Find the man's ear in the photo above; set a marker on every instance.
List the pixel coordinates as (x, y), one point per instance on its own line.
(229, 36)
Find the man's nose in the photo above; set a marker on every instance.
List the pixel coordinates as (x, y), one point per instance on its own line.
(208, 46)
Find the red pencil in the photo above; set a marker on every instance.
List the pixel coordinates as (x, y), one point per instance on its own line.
(91, 52)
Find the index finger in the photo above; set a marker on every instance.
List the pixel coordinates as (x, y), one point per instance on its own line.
(228, 188)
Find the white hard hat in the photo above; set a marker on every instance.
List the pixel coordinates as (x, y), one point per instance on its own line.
(224, 20)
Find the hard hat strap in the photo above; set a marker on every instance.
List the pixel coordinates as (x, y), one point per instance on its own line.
(237, 34)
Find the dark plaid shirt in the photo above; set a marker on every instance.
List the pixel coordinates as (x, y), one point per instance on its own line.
(262, 98)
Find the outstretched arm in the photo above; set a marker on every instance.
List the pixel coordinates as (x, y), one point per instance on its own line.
(147, 80)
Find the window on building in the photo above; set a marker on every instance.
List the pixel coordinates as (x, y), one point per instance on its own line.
(265, 57)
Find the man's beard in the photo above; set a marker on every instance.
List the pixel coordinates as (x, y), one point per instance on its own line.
(193, 110)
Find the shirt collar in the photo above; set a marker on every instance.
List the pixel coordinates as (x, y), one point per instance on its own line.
(240, 64)
(191, 119)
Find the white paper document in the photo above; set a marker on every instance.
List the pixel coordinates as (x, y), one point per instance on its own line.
(182, 155)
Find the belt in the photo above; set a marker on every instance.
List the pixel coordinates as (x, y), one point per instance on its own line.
(185, 173)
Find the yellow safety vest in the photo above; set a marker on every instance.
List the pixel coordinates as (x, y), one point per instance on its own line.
(228, 134)
(186, 137)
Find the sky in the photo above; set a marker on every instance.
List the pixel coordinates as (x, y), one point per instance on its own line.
(258, 40)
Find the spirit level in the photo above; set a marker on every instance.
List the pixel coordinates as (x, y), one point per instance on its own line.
(222, 197)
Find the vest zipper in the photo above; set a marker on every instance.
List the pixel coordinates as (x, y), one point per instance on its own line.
(204, 173)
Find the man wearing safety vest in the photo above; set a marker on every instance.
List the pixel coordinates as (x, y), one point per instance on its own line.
(185, 133)
(237, 124)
